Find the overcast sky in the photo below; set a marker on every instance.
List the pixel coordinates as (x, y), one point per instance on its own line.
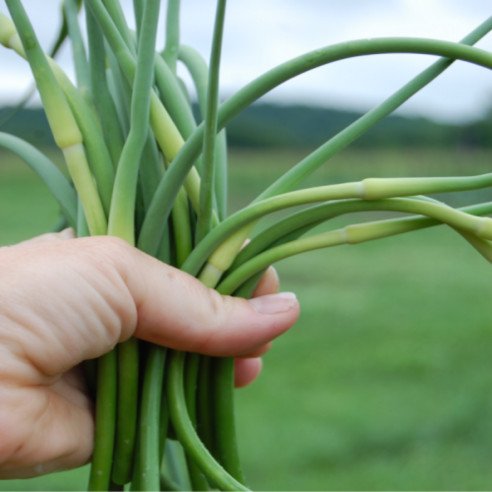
(260, 34)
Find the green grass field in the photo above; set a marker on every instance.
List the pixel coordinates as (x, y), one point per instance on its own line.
(385, 383)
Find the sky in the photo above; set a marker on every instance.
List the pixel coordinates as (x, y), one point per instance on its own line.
(261, 34)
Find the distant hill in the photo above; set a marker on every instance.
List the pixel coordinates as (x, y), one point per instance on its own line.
(302, 126)
(267, 125)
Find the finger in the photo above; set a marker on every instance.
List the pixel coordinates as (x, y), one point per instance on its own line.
(269, 283)
(246, 371)
(258, 352)
(198, 319)
(81, 297)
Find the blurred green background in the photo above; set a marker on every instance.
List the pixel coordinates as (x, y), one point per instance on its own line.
(385, 382)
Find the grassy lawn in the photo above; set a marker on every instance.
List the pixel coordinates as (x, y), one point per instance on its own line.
(385, 383)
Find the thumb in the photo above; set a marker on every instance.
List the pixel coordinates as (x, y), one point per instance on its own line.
(177, 311)
(67, 301)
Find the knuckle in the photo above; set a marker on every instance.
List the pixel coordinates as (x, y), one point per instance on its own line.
(106, 250)
(221, 309)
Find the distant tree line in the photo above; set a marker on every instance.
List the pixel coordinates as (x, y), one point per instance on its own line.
(268, 125)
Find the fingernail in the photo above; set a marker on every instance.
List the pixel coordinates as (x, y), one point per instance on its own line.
(274, 303)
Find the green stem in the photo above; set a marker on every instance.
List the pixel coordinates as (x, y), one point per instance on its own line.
(311, 195)
(118, 87)
(182, 228)
(84, 128)
(82, 227)
(259, 209)
(105, 105)
(121, 218)
(122, 225)
(98, 154)
(204, 403)
(138, 8)
(150, 418)
(175, 463)
(47, 171)
(128, 368)
(198, 69)
(178, 171)
(354, 234)
(225, 442)
(102, 458)
(62, 123)
(8, 114)
(378, 188)
(298, 224)
(165, 131)
(151, 169)
(117, 16)
(184, 428)
(192, 363)
(170, 53)
(78, 51)
(207, 185)
(173, 98)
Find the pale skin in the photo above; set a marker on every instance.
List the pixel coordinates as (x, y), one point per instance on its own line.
(65, 300)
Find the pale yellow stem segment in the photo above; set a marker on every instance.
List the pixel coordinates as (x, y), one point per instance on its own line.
(67, 136)
(170, 141)
(221, 259)
(83, 180)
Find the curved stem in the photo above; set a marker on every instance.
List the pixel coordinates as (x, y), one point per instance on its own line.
(47, 171)
(298, 224)
(87, 126)
(198, 69)
(354, 234)
(187, 434)
(259, 209)
(165, 195)
(60, 117)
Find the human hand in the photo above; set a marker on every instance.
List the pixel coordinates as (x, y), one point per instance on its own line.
(64, 301)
